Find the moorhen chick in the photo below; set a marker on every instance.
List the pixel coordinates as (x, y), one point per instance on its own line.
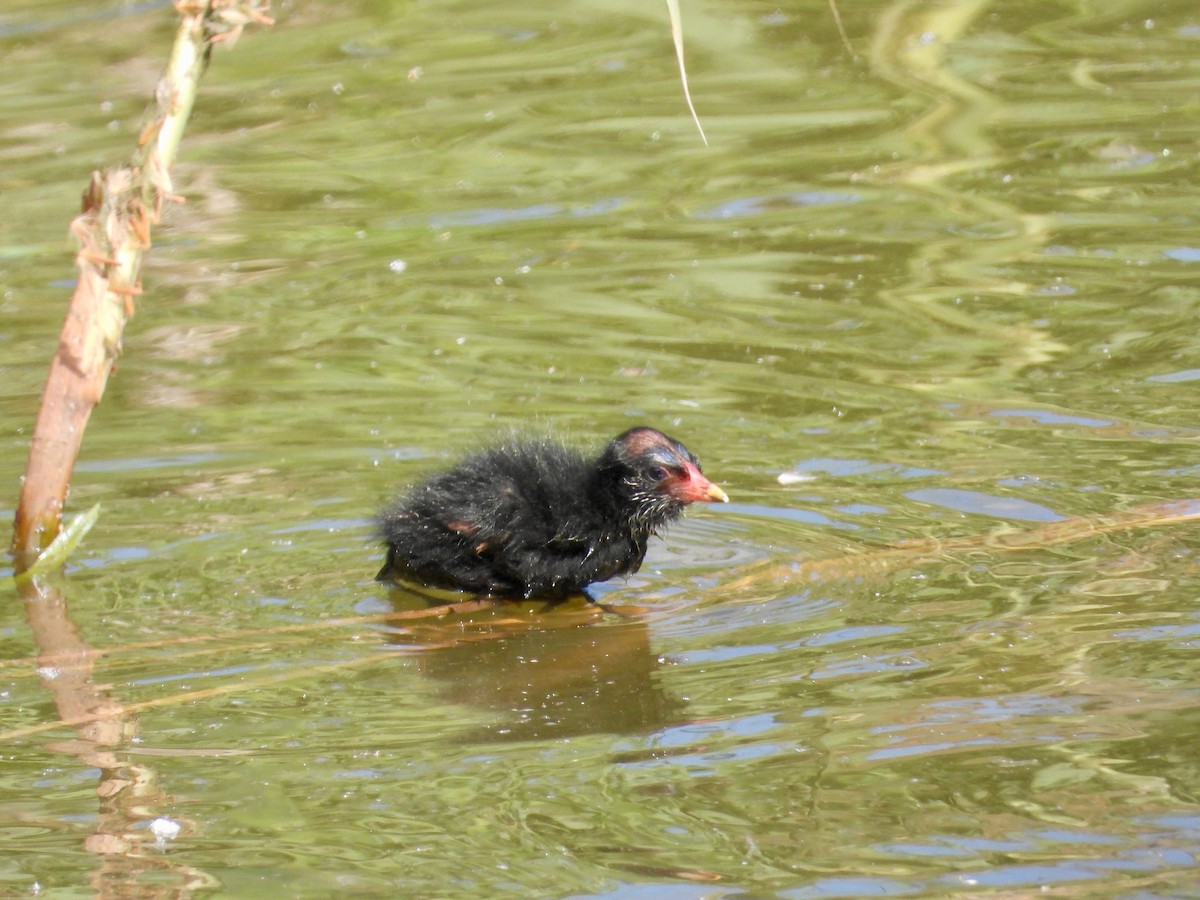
(536, 519)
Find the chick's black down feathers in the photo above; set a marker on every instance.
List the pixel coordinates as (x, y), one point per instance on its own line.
(537, 519)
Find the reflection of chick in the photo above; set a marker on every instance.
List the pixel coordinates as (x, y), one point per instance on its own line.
(554, 679)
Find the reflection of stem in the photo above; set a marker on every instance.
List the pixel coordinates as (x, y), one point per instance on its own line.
(910, 49)
(127, 792)
(66, 663)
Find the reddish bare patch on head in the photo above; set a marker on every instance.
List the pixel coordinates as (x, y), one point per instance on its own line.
(640, 441)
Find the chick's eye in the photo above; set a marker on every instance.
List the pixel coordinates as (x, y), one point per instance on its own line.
(656, 473)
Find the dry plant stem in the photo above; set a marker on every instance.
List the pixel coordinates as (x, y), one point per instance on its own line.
(837, 20)
(120, 206)
(923, 550)
(90, 707)
(677, 38)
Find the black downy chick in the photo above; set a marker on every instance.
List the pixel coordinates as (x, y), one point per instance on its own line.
(536, 519)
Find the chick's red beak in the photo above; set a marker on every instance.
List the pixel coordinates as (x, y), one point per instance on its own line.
(693, 487)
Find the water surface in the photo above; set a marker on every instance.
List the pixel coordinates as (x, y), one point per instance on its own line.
(927, 313)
